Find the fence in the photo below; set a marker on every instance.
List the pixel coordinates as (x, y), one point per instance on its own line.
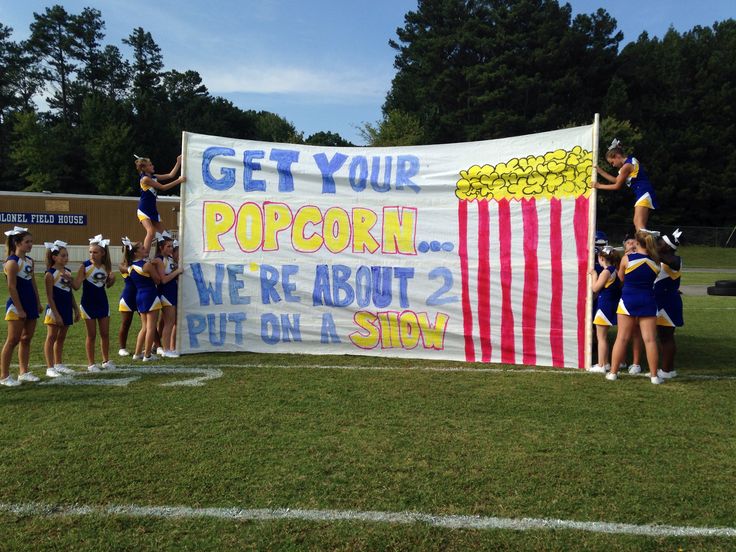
(713, 236)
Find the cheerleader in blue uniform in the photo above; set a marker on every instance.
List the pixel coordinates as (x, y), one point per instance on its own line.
(638, 306)
(61, 310)
(94, 276)
(168, 274)
(608, 287)
(669, 302)
(147, 211)
(631, 173)
(127, 305)
(22, 308)
(145, 278)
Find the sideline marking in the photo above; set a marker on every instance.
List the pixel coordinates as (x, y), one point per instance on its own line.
(81, 377)
(213, 371)
(405, 518)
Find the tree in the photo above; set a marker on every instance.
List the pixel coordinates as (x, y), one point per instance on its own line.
(478, 69)
(395, 129)
(323, 138)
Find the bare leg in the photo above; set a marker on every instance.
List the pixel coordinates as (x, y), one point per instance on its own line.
(603, 349)
(24, 347)
(641, 217)
(89, 344)
(668, 347)
(626, 326)
(15, 330)
(105, 338)
(59, 345)
(52, 334)
(126, 321)
(648, 327)
(169, 314)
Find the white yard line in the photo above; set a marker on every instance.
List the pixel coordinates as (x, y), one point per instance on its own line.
(403, 518)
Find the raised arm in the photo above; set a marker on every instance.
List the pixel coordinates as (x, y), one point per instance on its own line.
(76, 283)
(617, 182)
(173, 172)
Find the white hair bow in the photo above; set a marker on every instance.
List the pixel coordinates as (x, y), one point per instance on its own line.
(99, 240)
(55, 245)
(15, 231)
(607, 250)
(127, 243)
(176, 244)
(675, 241)
(163, 236)
(616, 143)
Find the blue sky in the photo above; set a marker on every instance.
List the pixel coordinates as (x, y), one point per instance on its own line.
(321, 64)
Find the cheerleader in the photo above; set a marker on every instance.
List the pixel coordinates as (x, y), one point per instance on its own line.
(127, 305)
(638, 306)
(94, 276)
(145, 277)
(168, 273)
(631, 173)
(61, 310)
(669, 302)
(608, 287)
(22, 309)
(147, 211)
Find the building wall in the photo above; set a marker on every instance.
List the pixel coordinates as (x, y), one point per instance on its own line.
(52, 217)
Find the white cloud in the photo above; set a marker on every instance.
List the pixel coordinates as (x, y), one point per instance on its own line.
(303, 81)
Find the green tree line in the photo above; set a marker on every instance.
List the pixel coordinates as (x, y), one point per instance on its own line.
(482, 69)
(465, 70)
(103, 107)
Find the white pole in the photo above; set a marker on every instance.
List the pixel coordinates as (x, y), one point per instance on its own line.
(591, 248)
(182, 203)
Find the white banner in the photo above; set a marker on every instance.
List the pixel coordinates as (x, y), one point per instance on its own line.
(474, 251)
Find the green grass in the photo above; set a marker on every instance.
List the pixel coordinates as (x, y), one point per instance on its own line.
(692, 277)
(289, 435)
(708, 257)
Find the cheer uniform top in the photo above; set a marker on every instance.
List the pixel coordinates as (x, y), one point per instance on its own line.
(170, 289)
(147, 202)
(608, 298)
(146, 297)
(127, 301)
(667, 293)
(640, 184)
(637, 293)
(24, 287)
(94, 303)
(62, 298)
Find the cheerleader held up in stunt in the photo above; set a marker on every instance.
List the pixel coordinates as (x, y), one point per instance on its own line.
(22, 309)
(631, 173)
(150, 186)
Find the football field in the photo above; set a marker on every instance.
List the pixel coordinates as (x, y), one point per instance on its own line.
(296, 452)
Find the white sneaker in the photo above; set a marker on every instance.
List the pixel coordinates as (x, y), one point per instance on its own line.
(93, 368)
(610, 376)
(29, 377)
(597, 369)
(138, 357)
(160, 351)
(151, 358)
(53, 373)
(9, 382)
(656, 380)
(123, 352)
(634, 369)
(171, 354)
(667, 375)
(63, 369)
(108, 365)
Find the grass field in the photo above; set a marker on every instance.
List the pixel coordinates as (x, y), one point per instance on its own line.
(349, 444)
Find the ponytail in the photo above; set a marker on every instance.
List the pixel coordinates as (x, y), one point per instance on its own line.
(647, 241)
